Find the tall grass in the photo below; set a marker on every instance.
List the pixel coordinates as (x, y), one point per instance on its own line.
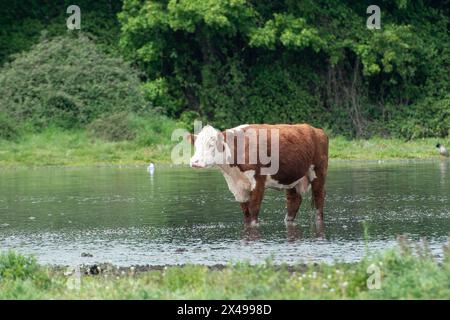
(76, 147)
(381, 149)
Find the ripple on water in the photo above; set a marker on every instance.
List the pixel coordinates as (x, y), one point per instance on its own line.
(189, 216)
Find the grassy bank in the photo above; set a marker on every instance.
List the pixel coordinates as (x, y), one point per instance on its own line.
(404, 275)
(77, 148)
(384, 149)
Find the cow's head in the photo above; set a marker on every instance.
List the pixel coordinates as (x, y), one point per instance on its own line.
(208, 145)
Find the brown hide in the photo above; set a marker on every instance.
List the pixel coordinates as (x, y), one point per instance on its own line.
(300, 146)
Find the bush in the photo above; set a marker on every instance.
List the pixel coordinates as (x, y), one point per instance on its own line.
(257, 61)
(429, 117)
(280, 95)
(146, 129)
(233, 95)
(157, 94)
(8, 130)
(69, 82)
(187, 118)
(14, 266)
(115, 127)
(154, 129)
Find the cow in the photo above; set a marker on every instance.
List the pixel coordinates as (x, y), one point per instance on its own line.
(299, 151)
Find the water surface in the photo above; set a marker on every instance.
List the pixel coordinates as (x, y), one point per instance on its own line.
(180, 215)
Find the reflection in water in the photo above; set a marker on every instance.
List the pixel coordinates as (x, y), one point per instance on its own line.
(293, 232)
(251, 233)
(319, 229)
(151, 181)
(443, 167)
(178, 215)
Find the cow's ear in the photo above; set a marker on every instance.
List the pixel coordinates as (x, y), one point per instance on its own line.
(191, 138)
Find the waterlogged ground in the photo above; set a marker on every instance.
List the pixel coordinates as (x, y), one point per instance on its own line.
(125, 216)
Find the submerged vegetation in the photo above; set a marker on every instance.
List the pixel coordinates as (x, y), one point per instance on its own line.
(404, 273)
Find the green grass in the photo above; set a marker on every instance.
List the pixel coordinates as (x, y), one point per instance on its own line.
(76, 148)
(56, 147)
(384, 149)
(404, 275)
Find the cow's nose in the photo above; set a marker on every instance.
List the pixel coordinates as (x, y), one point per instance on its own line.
(196, 164)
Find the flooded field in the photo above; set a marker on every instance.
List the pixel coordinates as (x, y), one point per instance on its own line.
(178, 215)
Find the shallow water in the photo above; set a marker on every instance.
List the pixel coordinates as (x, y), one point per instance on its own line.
(180, 215)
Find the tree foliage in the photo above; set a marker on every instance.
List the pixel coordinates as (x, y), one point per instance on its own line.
(236, 61)
(22, 23)
(233, 61)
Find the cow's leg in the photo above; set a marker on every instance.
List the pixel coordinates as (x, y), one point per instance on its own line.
(318, 193)
(256, 197)
(246, 211)
(293, 202)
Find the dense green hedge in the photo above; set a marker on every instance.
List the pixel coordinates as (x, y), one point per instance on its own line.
(8, 128)
(237, 61)
(231, 62)
(22, 23)
(67, 81)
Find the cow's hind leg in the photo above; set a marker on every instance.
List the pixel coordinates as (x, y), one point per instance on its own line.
(318, 193)
(293, 202)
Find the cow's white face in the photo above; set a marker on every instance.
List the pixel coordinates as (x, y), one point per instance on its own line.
(206, 148)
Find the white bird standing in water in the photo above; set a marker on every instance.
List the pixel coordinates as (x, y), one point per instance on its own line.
(151, 168)
(442, 150)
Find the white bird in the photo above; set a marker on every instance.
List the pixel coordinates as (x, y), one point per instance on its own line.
(442, 150)
(151, 168)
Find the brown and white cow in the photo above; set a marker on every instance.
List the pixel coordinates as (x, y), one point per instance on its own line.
(299, 151)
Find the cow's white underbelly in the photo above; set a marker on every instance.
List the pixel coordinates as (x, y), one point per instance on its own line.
(302, 185)
(242, 183)
(274, 184)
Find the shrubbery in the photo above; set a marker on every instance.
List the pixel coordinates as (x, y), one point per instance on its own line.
(429, 117)
(234, 95)
(154, 129)
(230, 62)
(14, 266)
(147, 129)
(8, 129)
(237, 62)
(115, 127)
(22, 23)
(67, 81)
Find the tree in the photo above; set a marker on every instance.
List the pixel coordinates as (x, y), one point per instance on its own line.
(67, 81)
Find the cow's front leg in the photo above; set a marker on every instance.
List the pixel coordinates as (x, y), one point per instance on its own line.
(293, 202)
(256, 197)
(246, 211)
